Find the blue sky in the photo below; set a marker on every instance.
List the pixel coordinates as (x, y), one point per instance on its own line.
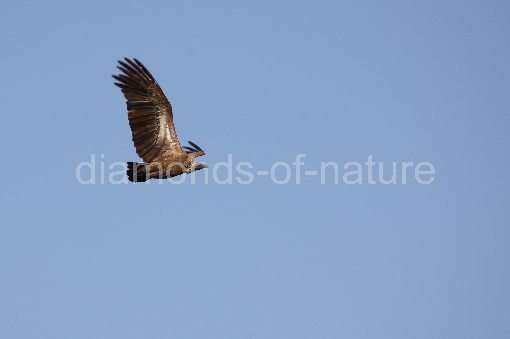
(264, 82)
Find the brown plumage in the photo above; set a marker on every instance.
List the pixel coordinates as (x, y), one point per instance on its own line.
(152, 126)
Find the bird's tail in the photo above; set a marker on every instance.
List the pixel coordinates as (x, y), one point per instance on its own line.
(136, 172)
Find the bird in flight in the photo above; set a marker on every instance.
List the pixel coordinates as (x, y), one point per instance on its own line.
(152, 126)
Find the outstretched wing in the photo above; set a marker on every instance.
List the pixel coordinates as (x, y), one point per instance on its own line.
(149, 111)
(195, 150)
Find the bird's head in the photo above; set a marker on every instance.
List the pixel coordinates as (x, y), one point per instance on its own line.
(195, 166)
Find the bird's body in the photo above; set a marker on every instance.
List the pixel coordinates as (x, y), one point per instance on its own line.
(152, 126)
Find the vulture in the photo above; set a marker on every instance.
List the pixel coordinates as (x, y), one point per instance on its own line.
(152, 126)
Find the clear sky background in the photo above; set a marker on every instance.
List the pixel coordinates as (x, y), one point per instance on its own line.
(264, 81)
